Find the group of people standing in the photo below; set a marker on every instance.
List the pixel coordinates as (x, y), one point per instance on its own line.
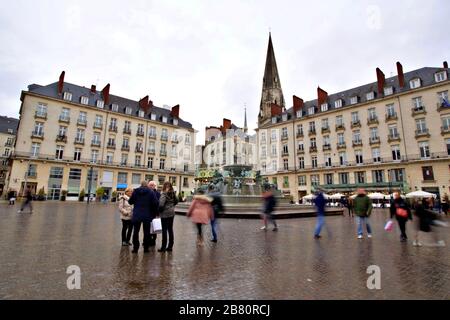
(361, 206)
(139, 207)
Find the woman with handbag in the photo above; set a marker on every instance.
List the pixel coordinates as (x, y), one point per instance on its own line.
(126, 213)
(167, 203)
(400, 209)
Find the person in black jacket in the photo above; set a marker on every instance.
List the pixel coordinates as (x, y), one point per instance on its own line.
(152, 185)
(27, 202)
(400, 209)
(269, 207)
(145, 209)
(217, 206)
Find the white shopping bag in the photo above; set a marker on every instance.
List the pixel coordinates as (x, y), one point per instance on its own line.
(156, 226)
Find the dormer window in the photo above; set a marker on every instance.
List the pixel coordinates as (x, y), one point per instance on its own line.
(285, 117)
(141, 113)
(311, 110)
(164, 119)
(10, 131)
(440, 76)
(354, 100)
(128, 110)
(274, 119)
(67, 96)
(324, 107)
(299, 113)
(115, 107)
(84, 100)
(388, 91)
(370, 95)
(100, 104)
(338, 103)
(153, 116)
(175, 122)
(414, 83)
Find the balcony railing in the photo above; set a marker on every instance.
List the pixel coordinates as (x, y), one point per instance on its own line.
(111, 146)
(326, 147)
(372, 120)
(125, 147)
(40, 115)
(9, 144)
(163, 153)
(284, 137)
(61, 138)
(326, 129)
(341, 145)
(151, 151)
(284, 153)
(418, 110)
(140, 133)
(311, 132)
(139, 149)
(299, 134)
(340, 127)
(112, 128)
(313, 149)
(82, 122)
(356, 124)
(393, 137)
(37, 134)
(356, 143)
(445, 130)
(79, 141)
(391, 116)
(441, 106)
(422, 133)
(300, 151)
(127, 130)
(65, 119)
(98, 125)
(175, 140)
(164, 138)
(374, 140)
(95, 143)
(152, 135)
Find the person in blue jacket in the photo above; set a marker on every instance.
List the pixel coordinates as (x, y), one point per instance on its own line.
(320, 202)
(144, 211)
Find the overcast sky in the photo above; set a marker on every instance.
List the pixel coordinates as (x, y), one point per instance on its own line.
(208, 56)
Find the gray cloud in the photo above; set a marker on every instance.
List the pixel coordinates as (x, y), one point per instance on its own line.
(209, 56)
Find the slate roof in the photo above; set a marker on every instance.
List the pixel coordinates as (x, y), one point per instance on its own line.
(425, 74)
(51, 90)
(8, 123)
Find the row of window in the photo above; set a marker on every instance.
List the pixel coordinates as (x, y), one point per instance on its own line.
(424, 153)
(417, 104)
(115, 107)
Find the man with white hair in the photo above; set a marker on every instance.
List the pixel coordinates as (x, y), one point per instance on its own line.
(153, 186)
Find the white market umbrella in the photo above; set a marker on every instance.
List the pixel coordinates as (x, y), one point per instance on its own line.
(420, 194)
(353, 196)
(376, 195)
(309, 197)
(337, 196)
(388, 196)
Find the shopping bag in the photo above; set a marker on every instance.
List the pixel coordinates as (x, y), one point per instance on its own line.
(389, 225)
(156, 226)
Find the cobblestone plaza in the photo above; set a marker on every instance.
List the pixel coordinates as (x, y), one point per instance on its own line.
(246, 263)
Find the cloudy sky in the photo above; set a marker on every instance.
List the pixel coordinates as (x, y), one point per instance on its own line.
(208, 56)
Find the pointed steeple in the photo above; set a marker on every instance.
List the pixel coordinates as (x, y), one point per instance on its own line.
(245, 120)
(271, 90)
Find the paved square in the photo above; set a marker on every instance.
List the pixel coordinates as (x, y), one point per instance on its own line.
(246, 263)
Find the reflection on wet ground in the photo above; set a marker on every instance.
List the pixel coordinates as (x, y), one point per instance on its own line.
(246, 263)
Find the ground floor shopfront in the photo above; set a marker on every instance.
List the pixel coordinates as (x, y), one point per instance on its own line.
(56, 177)
(430, 176)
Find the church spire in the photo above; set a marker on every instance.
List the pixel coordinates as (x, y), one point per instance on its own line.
(271, 90)
(245, 120)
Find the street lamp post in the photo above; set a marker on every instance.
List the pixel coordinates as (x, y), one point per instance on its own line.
(91, 173)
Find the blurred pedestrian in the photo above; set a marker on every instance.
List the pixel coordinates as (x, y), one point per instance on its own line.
(217, 206)
(269, 205)
(167, 203)
(12, 197)
(28, 200)
(319, 202)
(363, 210)
(153, 186)
(200, 212)
(425, 219)
(445, 204)
(402, 212)
(126, 213)
(144, 211)
(350, 206)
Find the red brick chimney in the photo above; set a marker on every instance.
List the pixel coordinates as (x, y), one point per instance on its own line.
(226, 124)
(445, 65)
(401, 76)
(175, 111)
(143, 104)
(275, 110)
(322, 96)
(298, 103)
(380, 80)
(105, 94)
(93, 88)
(61, 82)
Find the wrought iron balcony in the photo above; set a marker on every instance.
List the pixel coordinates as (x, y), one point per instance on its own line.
(61, 138)
(422, 133)
(372, 120)
(391, 116)
(418, 111)
(340, 127)
(356, 124)
(112, 128)
(341, 145)
(393, 137)
(40, 115)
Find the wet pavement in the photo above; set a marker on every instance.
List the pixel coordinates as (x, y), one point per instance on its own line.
(246, 263)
